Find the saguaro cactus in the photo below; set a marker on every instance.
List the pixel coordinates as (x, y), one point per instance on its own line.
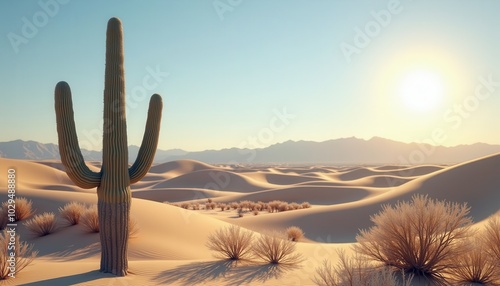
(114, 179)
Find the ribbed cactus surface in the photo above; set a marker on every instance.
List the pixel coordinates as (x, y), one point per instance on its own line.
(114, 179)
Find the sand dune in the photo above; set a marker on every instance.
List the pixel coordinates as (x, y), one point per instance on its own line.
(170, 247)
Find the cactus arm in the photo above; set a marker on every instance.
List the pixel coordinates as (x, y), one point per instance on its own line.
(149, 144)
(71, 156)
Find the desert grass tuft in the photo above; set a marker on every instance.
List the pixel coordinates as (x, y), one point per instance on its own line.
(357, 270)
(273, 249)
(24, 208)
(294, 233)
(24, 255)
(71, 212)
(231, 242)
(420, 237)
(90, 220)
(42, 224)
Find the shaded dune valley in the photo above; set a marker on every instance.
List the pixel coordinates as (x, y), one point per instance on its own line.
(174, 220)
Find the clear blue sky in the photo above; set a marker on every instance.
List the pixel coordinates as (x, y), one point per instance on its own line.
(339, 68)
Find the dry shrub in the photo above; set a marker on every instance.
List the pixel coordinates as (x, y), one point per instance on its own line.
(283, 207)
(276, 250)
(42, 224)
(305, 205)
(475, 266)
(24, 208)
(255, 212)
(420, 237)
(235, 205)
(294, 206)
(90, 219)
(274, 205)
(231, 242)
(185, 205)
(491, 238)
(71, 212)
(240, 212)
(24, 255)
(357, 270)
(294, 233)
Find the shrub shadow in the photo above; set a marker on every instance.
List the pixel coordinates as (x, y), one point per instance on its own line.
(196, 272)
(231, 272)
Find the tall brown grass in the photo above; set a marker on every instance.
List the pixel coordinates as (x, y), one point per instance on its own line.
(24, 208)
(71, 212)
(420, 237)
(42, 224)
(231, 242)
(475, 265)
(294, 233)
(24, 255)
(276, 250)
(90, 219)
(357, 270)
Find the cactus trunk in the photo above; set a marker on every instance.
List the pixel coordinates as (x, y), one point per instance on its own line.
(114, 179)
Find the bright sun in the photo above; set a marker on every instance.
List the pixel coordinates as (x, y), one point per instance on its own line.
(421, 90)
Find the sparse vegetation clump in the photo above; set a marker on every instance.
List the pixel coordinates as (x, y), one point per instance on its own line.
(231, 242)
(357, 270)
(276, 250)
(294, 233)
(71, 212)
(475, 265)
(23, 210)
(42, 224)
(491, 238)
(421, 237)
(90, 219)
(24, 255)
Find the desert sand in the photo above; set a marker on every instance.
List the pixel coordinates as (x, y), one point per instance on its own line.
(170, 246)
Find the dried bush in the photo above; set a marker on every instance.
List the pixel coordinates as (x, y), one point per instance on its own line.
(185, 205)
(276, 250)
(274, 205)
(42, 224)
(231, 242)
(420, 237)
(255, 212)
(305, 205)
(90, 219)
(71, 212)
(491, 238)
(235, 205)
(294, 233)
(24, 255)
(357, 270)
(294, 206)
(240, 212)
(475, 266)
(283, 207)
(24, 208)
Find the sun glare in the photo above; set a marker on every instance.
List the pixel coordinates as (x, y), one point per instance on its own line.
(421, 90)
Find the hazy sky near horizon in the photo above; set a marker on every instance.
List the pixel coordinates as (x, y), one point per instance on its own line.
(241, 73)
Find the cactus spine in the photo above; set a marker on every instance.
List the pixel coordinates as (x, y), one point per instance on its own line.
(114, 179)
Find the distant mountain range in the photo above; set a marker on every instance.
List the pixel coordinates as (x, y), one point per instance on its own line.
(344, 151)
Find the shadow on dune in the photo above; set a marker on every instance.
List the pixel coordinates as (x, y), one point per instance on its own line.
(231, 272)
(71, 279)
(196, 272)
